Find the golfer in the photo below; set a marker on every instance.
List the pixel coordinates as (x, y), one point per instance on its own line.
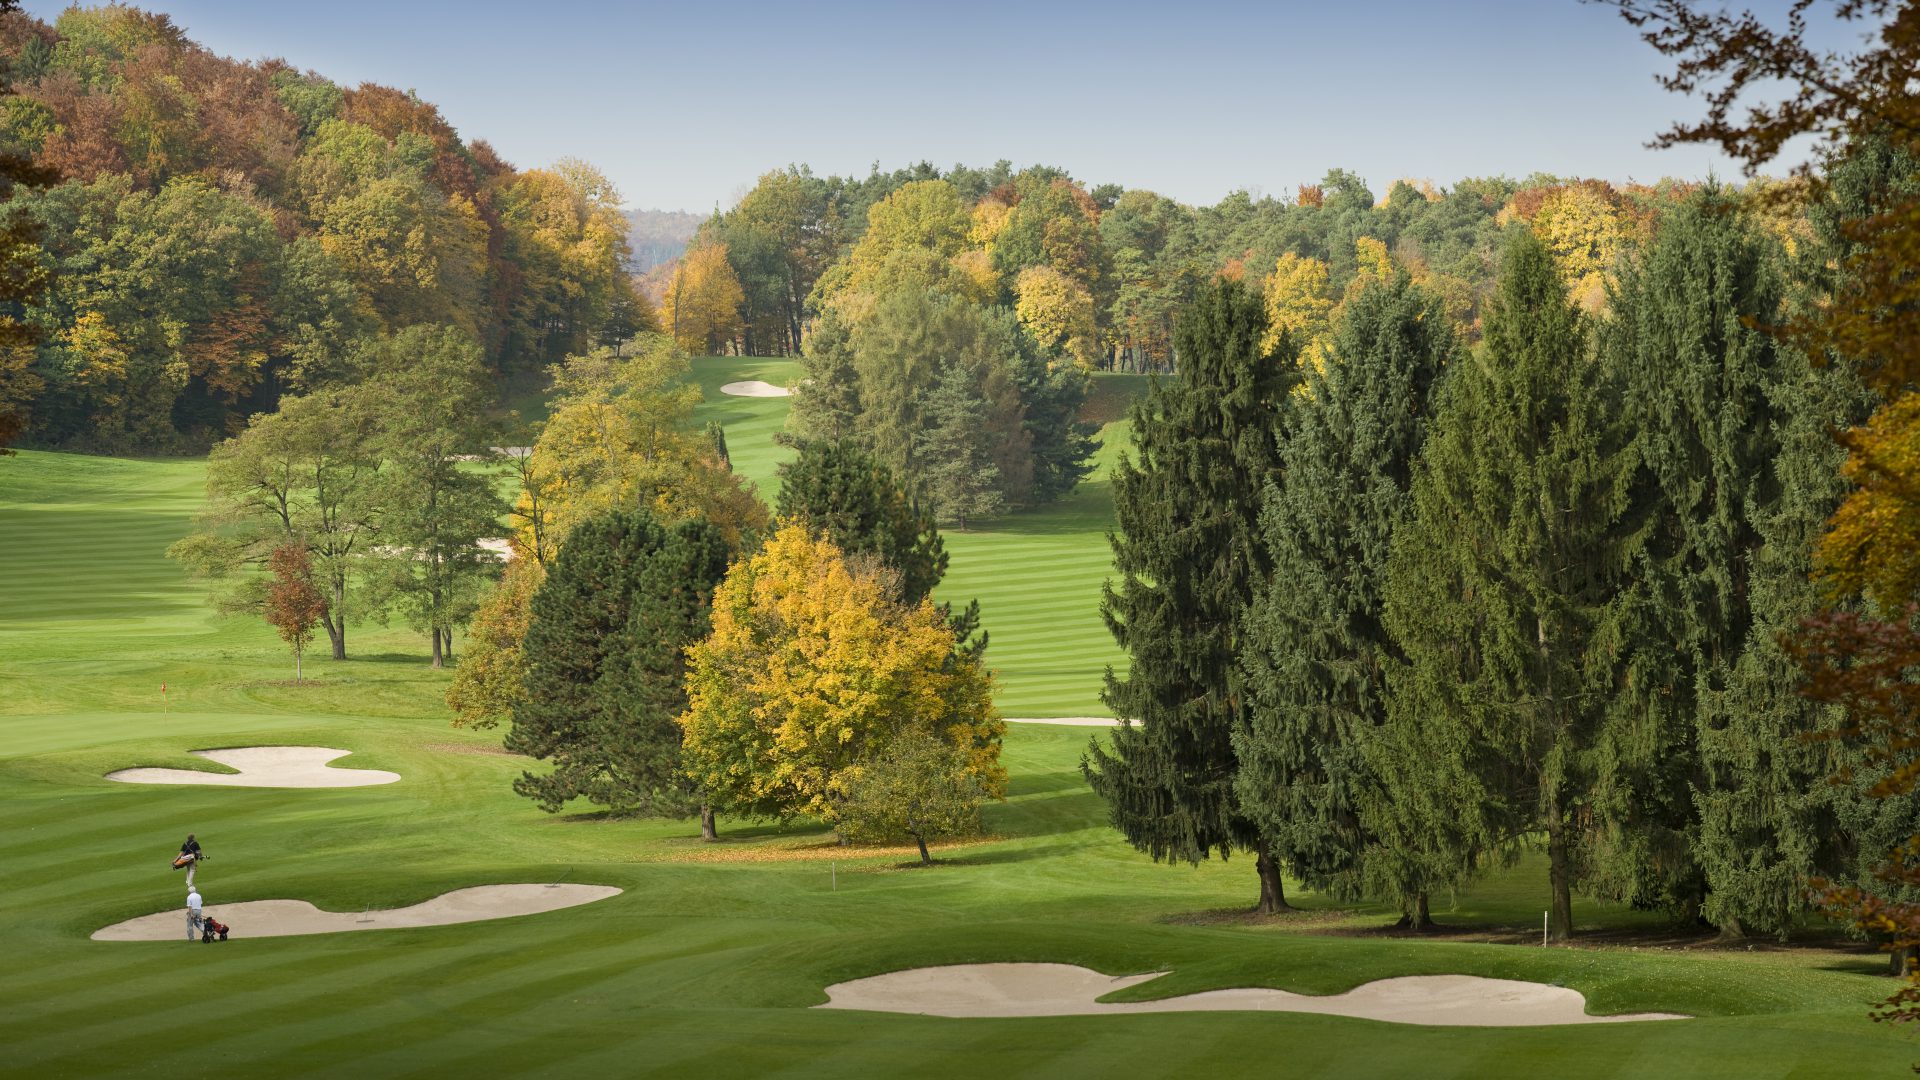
(193, 913)
(190, 857)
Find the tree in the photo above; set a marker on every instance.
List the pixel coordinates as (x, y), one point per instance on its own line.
(1187, 550)
(603, 663)
(1316, 647)
(1297, 305)
(841, 492)
(1739, 475)
(1503, 587)
(958, 476)
(433, 395)
(492, 670)
(920, 786)
(1058, 312)
(814, 669)
(701, 310)
(293, 606)
(621, 435)
(308, 472)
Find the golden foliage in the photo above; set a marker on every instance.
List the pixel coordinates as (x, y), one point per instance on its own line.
(1058, 312)
(813, 668)
(1298, 307)
(701, 308)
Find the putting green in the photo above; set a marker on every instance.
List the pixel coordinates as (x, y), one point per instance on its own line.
(700, 966)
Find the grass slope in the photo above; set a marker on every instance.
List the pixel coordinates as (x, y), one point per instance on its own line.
(706, 963)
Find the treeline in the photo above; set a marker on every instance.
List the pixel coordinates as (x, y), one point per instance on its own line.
(222, 233)
(1461, 600)
(1099, 273)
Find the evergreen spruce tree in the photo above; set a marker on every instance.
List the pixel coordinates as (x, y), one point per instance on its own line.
(1731, 802)
(957, 472)
(1503, 588)
(1187, 551)
(1315, 646)
(605, 663)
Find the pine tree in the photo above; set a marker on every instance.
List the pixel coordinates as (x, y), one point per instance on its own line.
(1316, 649)
(1503, 588)
(1186, 548)
(604, 662)
(956, 471)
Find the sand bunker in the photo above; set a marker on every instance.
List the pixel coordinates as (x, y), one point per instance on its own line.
(286, 918)
(1066, 990)
(265, 766)
(755, 388)
(1069, 721)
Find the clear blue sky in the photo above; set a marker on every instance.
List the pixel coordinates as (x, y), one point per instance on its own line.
(684, 104)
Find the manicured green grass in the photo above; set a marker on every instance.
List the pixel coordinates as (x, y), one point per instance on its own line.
(701, 968)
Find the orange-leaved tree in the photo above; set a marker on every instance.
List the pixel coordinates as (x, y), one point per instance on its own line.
(294, 604)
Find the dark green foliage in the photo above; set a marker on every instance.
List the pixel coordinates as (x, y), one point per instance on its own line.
(1503, 589)
(605, 664)
(1315, 649)
(841, 491)
(957, 473)
(1063, 447)
(1723, 572)
(1187, 552)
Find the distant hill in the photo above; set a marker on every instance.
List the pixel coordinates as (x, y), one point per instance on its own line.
(659, 236)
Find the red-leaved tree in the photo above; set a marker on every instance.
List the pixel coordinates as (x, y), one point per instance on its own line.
(294, 604)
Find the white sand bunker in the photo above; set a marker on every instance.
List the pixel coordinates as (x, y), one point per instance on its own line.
(287, 918)
(755, 388)
(1066, 990)
(265, 766)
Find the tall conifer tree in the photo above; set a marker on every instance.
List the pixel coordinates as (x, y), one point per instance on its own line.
(1503, 588)
(606, 667)
(1189, 560)
(1316, 647)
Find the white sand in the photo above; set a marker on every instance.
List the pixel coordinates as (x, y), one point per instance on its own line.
(265, 766)
(755, 388)
(286, 918)
(1066, 990)
(1068, 721)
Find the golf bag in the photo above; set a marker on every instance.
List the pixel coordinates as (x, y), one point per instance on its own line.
(210, 929)
(183, 862)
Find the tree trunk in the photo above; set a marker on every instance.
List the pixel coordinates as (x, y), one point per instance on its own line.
(437, 662)
(1731, 930)
(335, 621)
(1418, 919)
(925, 858)
(707, 829)
(1273, 892)
(296, 661)
(1900, 961)
(1560, 918)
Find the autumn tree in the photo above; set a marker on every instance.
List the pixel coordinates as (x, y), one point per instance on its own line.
(1187, 552)
(492, 671)
(1058, 312)
(1298, 306)
(814, 670)
(293, 606)
(701, 309)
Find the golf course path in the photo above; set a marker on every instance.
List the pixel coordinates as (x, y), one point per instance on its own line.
(264, 766)
(287, 918)
(755, 388)
(1066, 990)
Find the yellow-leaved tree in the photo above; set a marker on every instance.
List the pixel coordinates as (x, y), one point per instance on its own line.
(813, 670)
(1298, 306)
(1058, 312)
(1584, 230)
(702, 306)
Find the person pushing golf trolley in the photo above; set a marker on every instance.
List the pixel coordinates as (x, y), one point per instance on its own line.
(190, 859)
(195, 919)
